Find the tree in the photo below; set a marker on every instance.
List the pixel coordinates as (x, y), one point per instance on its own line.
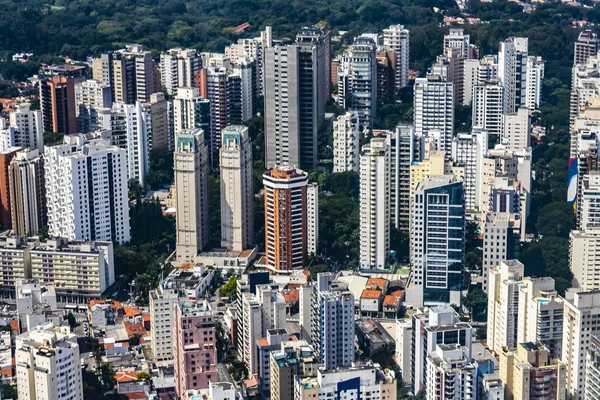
(476, 302)
(10, 392)
(71, 320)
(481, 332)
(135, 190)
(143, 376)
(384, 355)
(229, 288)
(556, 219)
(317, 269)
(134, 341)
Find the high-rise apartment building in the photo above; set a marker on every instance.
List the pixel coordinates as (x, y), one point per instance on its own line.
(190, 111)
(57, 102)
(194, 347)
(468, 150)
(581, 322)
(592, 370)
(244, 67)
(213, 85)
(516, 129)
(191, 186)
(291, 359)
(503, 305)
(237, 195)
(512, 72)
(296, 85)
(396, 38)
(90, 97)
(47, 364)
(541, 314)
(78, 270)
(451, 375)
(437, 325)
(437, 240)
(261, 312)
(529, 372)
(27, 192)
(178, 68)
(375, 204)
(535, 76)
(487, 106)
(353, 380)
(456, 39)
(29, 129)
(434, 109)
(586, 46)
(501, 241)
(346, 137)
(285, 217)
(130, 73)
(162, 301)
(6, 156)
(333, 322)
(403, 154)
(312, 218)
(86, 190)
(357, 80)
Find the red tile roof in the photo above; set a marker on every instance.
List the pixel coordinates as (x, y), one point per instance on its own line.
(131, 312)
(14, 325)
(135, 329)
(370, 294)
(377, 282)
(126, 376)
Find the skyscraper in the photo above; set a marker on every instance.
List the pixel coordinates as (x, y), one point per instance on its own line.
(456, 39)
(212, 83)
(469, 150)
(516, 129)
(434, 109)
(191, 185)
(346, 142)
(285, 217)
(178, 68)
(501, 241)
(57, 102)
(6, 157)
(375, 204)
(296, 77)
(396, 37)
(512, 72)
(535, 76)
(27, 192)
(403, 154)
(312, 218)
(437, 240)
(86, 190)
(237, 196)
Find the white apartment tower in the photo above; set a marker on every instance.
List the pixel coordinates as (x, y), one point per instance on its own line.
(27, 123)
(581, 322)
(375, 204)
(501, 241)
(541, 314)
(178, 68)
(162, 320)
(346, 136)
(403, 153)
(237, 195)
(86, 190)
(456, 39)
(396, 37)
(535, 76)
(450, 374)
(515, 130)
(468, 150)
(47, 364)
(512, 72)
(503, 305)
(333, 323)
(91, 97)
(190, 111)
(312, 218)
(434, 109)
(487, 106)
(191, 186)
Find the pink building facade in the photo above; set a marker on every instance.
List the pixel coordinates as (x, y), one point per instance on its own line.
(195, 348)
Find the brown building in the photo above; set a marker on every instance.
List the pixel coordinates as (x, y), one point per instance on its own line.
(212, 83)
(57, 101)
(285, 217)
(586, 46)
(27, 192)
(5, 158)
(386, 75)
